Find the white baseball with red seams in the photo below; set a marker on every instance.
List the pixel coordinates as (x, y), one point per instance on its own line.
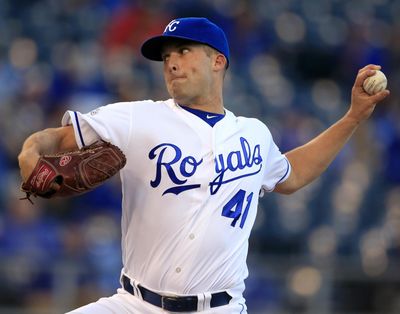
(375, 83)
(180, 171)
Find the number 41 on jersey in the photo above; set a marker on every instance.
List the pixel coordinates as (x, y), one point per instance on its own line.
(234, 208)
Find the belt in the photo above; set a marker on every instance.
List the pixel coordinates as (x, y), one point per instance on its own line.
(173, 303)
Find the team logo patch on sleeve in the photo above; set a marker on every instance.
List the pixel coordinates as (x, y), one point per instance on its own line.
(94, 112)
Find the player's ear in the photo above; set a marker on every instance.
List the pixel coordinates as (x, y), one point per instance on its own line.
(220, 62)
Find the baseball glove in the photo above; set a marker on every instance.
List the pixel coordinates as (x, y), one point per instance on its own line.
(74, 173)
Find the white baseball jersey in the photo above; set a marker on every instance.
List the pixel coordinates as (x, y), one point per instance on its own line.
(190, 191)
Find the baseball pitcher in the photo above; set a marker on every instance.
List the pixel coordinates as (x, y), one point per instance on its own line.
(191, 171)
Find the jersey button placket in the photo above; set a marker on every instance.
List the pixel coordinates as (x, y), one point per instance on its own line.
(179, 269)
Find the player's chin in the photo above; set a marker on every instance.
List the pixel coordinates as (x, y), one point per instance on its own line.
(179, 95)
(176, 87)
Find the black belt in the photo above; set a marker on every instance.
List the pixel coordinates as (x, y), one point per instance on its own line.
(175, 304)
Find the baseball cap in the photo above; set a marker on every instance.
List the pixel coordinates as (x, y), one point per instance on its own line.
(197, 29)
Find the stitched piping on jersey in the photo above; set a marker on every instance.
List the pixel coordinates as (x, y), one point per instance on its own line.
(287, 170)
(79, 128)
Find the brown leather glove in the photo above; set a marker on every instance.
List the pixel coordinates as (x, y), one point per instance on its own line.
(74, 173)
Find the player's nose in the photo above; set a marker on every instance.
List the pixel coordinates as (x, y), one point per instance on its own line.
(173, 62)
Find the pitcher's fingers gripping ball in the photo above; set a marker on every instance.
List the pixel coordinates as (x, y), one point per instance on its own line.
(375, 83)
(73, 173)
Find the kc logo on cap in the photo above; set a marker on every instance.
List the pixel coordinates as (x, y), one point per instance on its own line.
(171, 26)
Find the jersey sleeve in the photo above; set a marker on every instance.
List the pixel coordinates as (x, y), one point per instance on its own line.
(277, 167)
(111, 123)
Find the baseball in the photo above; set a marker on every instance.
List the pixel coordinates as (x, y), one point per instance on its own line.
(375, 83)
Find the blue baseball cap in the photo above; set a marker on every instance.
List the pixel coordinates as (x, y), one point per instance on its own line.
(197, 29)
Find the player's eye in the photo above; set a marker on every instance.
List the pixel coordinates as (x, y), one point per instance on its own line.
(184, 50)
(165, 57)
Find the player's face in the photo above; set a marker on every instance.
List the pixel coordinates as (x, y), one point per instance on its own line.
(188, 72)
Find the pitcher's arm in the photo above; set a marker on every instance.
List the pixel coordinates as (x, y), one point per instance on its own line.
(47, 141)
(309, 161)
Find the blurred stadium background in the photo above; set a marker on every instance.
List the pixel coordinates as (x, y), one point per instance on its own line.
(331, 248)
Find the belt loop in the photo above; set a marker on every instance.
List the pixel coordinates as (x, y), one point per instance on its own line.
(207, 300)
(135, 285)
(200, 302)
(121, 277)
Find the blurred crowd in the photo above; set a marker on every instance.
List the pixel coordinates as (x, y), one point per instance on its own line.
(293, 65)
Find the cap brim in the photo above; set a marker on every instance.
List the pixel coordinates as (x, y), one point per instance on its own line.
(152, 48)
